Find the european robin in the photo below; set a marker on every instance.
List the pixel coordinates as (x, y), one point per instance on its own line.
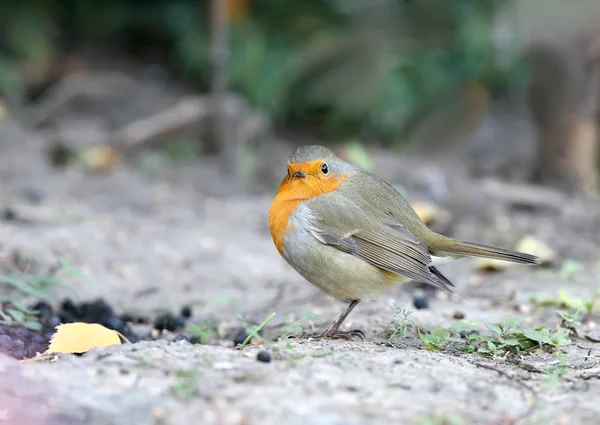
(353, 236)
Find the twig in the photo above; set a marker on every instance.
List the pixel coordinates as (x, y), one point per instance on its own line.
(511, 378)
(88, 84)
(184, 114)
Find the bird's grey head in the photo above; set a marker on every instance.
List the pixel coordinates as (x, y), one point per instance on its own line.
(317, 161)
(310, 153)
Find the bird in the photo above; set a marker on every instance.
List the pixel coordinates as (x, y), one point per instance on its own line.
(354, 237)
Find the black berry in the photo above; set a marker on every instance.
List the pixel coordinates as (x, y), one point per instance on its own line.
(420, 303)
(165, 321)
(240, 337)
(263, 356)
(9, 214)
(186, 312)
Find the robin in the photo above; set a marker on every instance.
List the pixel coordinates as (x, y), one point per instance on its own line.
(354, 236)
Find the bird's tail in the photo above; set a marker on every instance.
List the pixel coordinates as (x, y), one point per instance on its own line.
(453, 247)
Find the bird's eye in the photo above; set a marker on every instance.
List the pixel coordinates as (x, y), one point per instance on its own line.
(324, 168)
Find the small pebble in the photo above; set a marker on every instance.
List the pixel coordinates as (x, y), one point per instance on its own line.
(70, 308)
(179, 322)
(240, 337)
(179, 338)
(458, 315)
(54, 321)
(186, 312)
(9, 214)
(420, 303)
(116, 324)
(166, 322)
(263, 356)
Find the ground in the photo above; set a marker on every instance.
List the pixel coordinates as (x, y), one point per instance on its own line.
(148, 244)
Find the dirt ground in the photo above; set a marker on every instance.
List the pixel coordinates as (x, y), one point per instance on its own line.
(155, 243)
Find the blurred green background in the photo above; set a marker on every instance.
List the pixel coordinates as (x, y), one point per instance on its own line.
(335, 68)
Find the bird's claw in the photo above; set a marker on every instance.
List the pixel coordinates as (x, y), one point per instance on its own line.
(332, 335)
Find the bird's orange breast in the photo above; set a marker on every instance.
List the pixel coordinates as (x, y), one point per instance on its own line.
(292, 192)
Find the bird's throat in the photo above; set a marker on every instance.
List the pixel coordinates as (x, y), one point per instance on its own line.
(292, 192)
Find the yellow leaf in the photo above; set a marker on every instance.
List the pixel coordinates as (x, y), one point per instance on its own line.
(490, 265)
(530, 245)
(427, 211)
(81, 337)
(99, 158)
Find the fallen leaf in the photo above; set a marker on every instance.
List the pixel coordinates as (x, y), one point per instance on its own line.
(531, 245)
(99, 158)
(427, 211)
(490, 265)
(80, 337)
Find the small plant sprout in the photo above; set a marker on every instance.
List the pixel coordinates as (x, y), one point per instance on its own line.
(402, 328)
(256, 330)
(504, 338)
(21, 285)
(205, 331)
(294, 324)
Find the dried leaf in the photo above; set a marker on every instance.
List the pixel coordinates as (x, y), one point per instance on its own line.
(427, 211)
(530, 245)
(80, 337)
(490, 265)
(99, 158)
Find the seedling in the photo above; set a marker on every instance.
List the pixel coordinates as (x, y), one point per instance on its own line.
(205, 331)
(505, 338)
(256, 330)
(12, 308)
(401, 329)
(565, 300)
(294, 325)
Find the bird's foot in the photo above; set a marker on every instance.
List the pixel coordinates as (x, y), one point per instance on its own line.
(332, 334)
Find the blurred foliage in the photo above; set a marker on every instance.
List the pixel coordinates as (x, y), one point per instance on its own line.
(338, 67)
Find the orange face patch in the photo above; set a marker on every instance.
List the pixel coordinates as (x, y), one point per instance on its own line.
(294, 190)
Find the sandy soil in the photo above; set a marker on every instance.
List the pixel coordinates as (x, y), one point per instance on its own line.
(152, 244)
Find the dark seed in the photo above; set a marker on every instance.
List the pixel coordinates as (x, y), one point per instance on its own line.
(263, 356)
(179, 322)
(59, 155)
(420, 303)
(165, 322)
(44, 310)
(9, 214)
(66, 318)
(240, 337)
(116, 324)
(195, 340)
(70, 308)
(186, 312)
(181, 338)
(458, 315)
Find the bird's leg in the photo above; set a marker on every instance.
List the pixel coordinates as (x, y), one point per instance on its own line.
(333, 331)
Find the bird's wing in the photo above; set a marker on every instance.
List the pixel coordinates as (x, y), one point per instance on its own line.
(390, 247)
